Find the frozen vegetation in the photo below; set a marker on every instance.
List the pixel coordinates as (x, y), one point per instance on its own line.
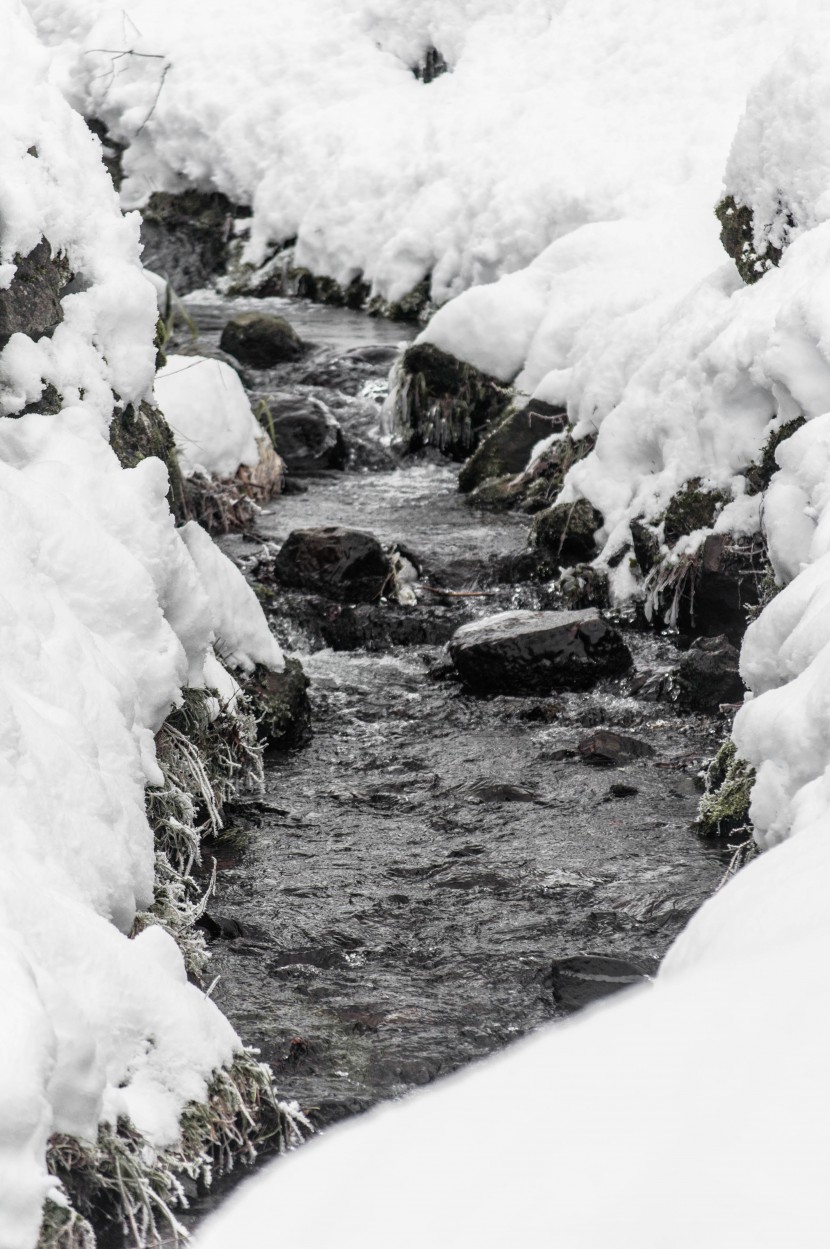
(557, 188)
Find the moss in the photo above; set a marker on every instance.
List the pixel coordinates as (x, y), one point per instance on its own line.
(443, 402)
(281, 703)
(50, 402)
(416, 306)
(738, 238)
(566, 531)
(724, 808)
(759, 475)
(119, 1183)
(135, 434)
(691, 508)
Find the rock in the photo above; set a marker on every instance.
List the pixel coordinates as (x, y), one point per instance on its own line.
(609, 750)
(135, 434)
(186, 235)
(31, 304)
(708, 675)
(261, 340)
(738, 238)
(728, 577)
(344, 564)
(442, 402)
(653, 687)
(370, 626)
(565, 532)
(282, 706)
(219, 927)
(527, 652)
(506, 448)
(724, 808)
(621, 790)
(646, 544)
(584, 978)
(305, 433)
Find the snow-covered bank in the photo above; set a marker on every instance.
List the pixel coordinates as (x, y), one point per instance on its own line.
(692, 1112)
(106, 617)
(552, 115)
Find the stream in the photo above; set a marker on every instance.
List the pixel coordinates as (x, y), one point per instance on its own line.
(409, 878)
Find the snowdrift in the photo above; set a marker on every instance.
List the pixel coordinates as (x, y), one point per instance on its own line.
(106, 615)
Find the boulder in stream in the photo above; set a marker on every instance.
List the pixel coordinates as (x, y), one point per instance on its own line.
(506, 448)
(305, 433)
(261, 340)
(282, 706)
(344, 564)
(609, 750)
(708, 675)
(530, 652)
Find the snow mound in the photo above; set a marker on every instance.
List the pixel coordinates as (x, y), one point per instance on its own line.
(208, 411)
(552, 115)
(104, 618)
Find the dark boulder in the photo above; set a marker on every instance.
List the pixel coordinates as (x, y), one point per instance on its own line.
(584, 978)
(506, 448)
(305, 433)
(261, 340)
(445, 403)
(566, 531)
(609, 750)
(708, 675)
(186, 236)
(343, 564)
(31, 304)
(528, 652)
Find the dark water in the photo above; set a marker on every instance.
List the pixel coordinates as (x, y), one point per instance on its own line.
(411, 874)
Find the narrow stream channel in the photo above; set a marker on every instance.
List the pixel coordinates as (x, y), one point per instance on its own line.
(410, 876)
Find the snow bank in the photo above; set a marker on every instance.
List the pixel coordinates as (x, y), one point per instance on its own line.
(208, 411)
(104, 617)
(553, 115)
(676, 1114)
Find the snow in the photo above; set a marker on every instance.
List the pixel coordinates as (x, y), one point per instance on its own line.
(206, 407)
(677, 1114)
(104, 618)
(555, 114)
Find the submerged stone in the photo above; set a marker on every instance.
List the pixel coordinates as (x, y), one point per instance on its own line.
(261, 340)
(609, 750)
(584, 978)
(527, 652)
(344, 564)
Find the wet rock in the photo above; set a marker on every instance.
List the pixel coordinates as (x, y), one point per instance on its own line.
(31, 304)
(565, 531)
(610, 750)
(621, 790)
(261, 340)
(220, 927)
(584, 978)
(506, 448)
(186, 235)
(658, 686)
(526, 652)
(646, 545)
(305, 433)
(708, 675)
(443, 402)
(371, 626)
(281, 703)
(344, 564)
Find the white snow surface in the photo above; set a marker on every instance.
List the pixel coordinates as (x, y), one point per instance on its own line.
(208, 411)
(692, 1112)
(556, 113)
(104, 617)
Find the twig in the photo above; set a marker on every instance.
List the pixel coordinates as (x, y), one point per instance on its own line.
(459, 593)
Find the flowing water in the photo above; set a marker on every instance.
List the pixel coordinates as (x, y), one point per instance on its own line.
(410, 876)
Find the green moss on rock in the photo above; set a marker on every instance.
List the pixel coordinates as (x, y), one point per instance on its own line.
(759, 475)
(282, 706)
(724, 808)
(691, 508)
(566, 531)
